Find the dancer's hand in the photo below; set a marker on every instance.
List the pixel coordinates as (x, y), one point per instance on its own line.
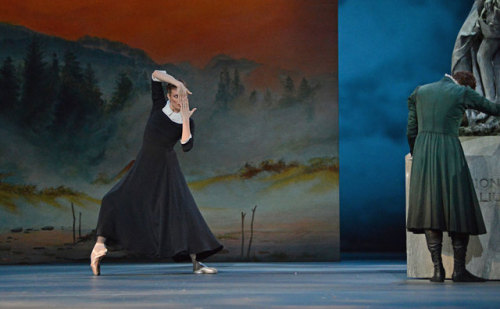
(182, 90)
(185, 112)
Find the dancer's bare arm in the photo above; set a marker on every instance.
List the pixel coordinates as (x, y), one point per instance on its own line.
(186, 114)
(167, 78)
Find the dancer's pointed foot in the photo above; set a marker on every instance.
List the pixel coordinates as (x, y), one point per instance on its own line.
(96, 256)
(200, 268)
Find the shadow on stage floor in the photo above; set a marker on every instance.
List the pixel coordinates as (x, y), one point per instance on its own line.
(350, 283)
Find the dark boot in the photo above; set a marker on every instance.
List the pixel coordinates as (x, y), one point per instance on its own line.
(434, 244)
(460, 274)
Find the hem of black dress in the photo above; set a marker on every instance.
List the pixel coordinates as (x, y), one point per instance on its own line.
(178, 256)
(183, 256)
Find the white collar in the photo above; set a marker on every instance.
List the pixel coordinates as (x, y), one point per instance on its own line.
(451, 77)
(175, 117)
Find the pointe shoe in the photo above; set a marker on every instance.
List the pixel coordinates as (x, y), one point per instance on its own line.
(95, 260)
(204, 269)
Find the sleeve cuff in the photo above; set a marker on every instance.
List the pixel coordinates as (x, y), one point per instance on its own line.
(156, 79)
(190, 136)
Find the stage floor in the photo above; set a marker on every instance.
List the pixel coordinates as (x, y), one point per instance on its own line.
(352, 284)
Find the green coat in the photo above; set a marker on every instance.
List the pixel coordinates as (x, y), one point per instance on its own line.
(442, 195)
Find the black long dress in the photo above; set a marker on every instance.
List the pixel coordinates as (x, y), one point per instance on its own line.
(151, 211)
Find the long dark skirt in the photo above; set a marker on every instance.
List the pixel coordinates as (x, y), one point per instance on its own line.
(152, 212)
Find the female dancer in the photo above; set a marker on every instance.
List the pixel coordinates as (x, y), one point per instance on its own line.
(151, 210)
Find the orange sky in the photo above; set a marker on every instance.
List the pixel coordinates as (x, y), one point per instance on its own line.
(291, 34)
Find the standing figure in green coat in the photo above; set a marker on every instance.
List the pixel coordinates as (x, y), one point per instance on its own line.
(442, 195)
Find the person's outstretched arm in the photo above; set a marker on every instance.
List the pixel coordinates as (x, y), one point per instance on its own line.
(474, 100)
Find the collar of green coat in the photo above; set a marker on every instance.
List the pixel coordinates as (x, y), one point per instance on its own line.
(450, 78)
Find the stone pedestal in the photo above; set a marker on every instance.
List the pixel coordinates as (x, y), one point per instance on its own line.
(483, 255)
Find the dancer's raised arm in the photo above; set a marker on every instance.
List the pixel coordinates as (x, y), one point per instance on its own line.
(162, 76)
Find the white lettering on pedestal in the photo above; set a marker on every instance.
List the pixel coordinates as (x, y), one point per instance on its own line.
(487, 183)
(486, 197)
(488, 189)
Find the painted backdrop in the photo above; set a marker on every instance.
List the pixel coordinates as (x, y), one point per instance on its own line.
(75, 96)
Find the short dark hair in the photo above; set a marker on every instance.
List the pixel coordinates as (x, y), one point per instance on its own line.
(172, 86)
(465, 78)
